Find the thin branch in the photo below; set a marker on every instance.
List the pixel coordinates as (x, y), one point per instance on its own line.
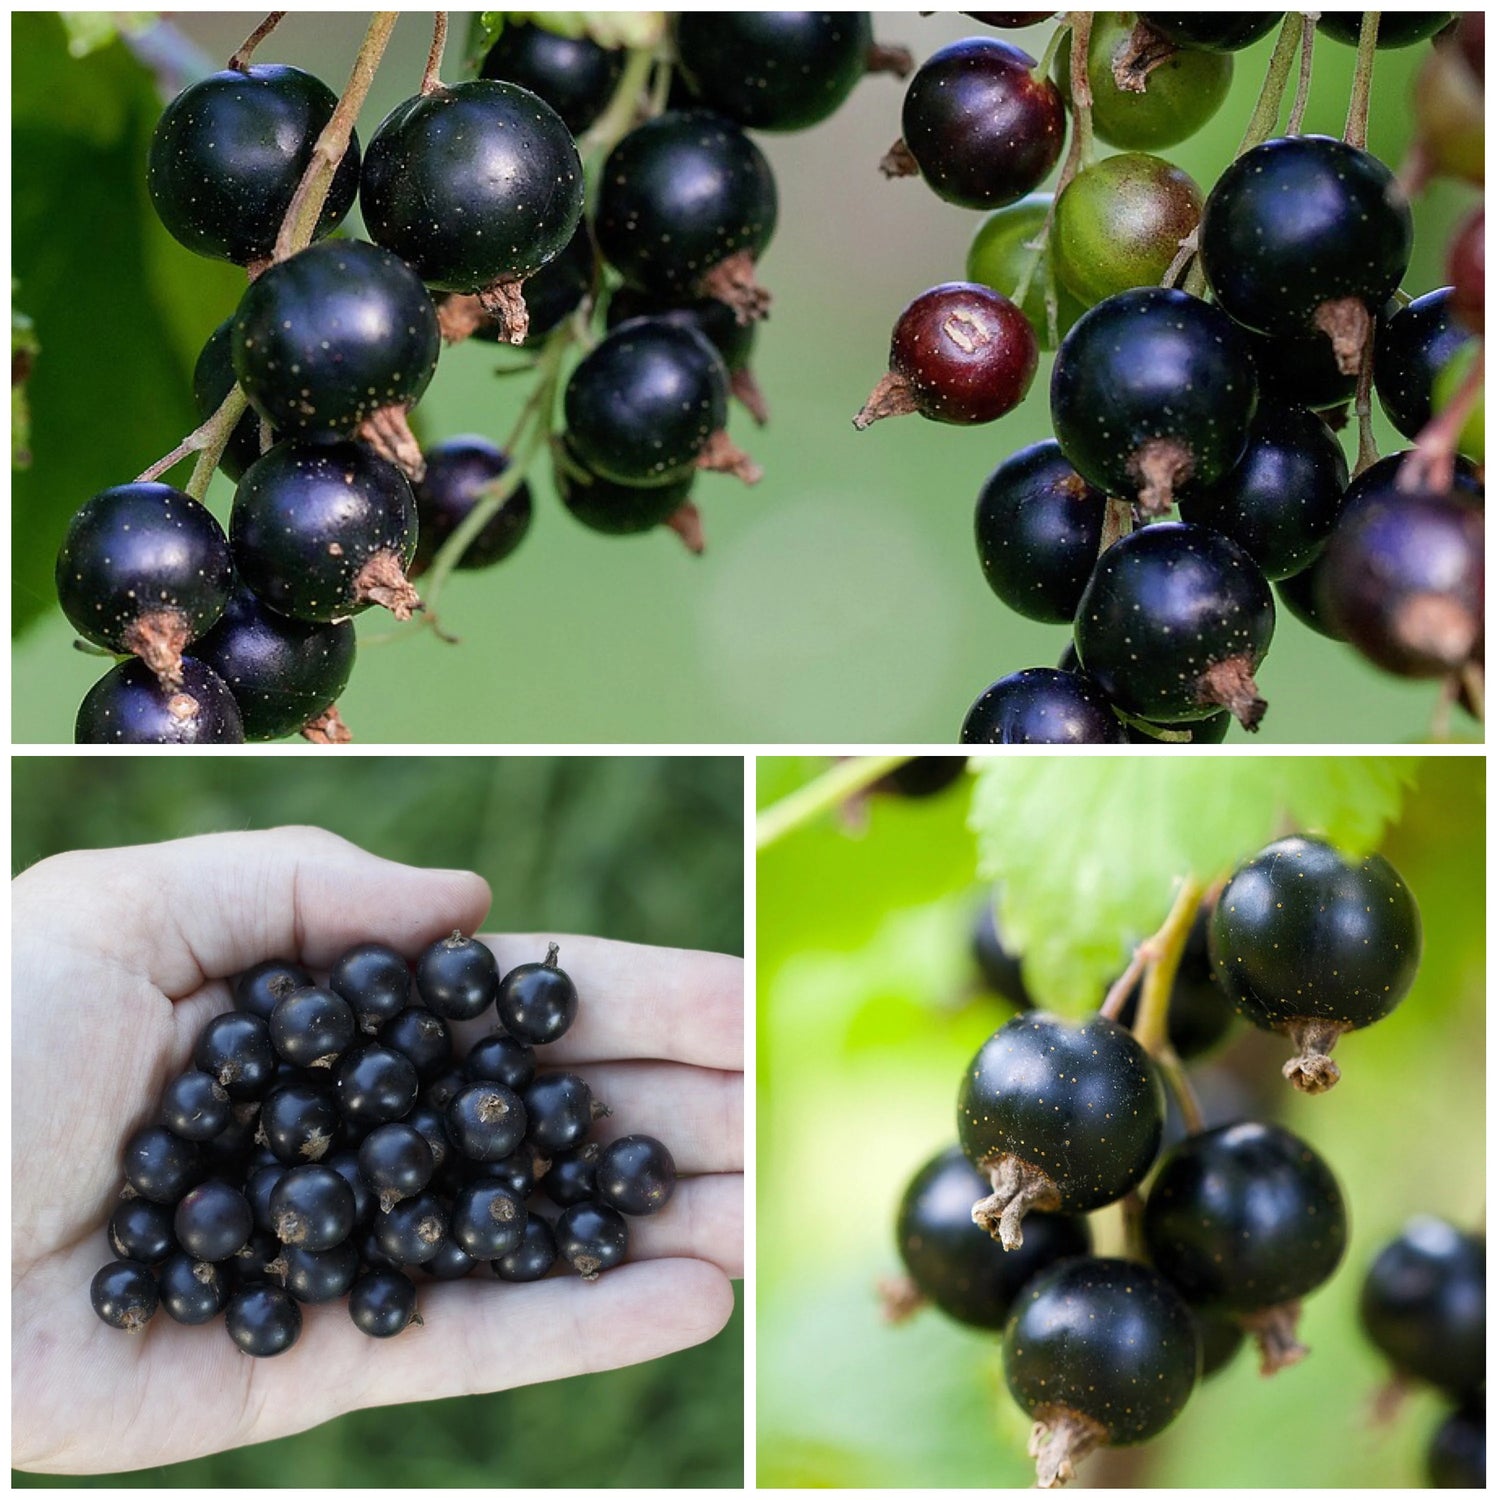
(1166, 945)
(1357, 121)
(1170, 1065)
(810, 802)
(243, 53)
(431, 79)
(624, 105)
(1304, 75)
(1267, 109)
(1369, 450)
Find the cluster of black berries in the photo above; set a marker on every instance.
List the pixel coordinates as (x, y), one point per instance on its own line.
(1224, 405)
(328, 1140)
(473, 198)
(1234, 1224)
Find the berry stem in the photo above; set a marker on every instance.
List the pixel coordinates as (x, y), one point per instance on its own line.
(1357, 121)
(1268, 106)
(1369, 450)
(240, 62)
(836, 785)
(1166, 945)
(431, 74)
(620, 115)
(1177, 1080)
(1304, 74)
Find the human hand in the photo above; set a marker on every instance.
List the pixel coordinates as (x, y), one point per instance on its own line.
(119, 958)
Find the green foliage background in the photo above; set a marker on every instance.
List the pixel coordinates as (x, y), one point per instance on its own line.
(838, 601)
(868, 1012)
(644, 850)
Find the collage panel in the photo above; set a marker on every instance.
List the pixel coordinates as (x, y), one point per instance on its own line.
(1120, 1121)
(378, 1129)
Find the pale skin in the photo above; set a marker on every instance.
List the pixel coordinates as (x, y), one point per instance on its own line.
(121, 955)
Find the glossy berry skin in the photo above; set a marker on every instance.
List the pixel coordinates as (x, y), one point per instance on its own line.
(282, 672)
(395, 1162)
(487, 1220)
(1412, 344)
(1037, 1095)
(378, 1081)
(236, 1049)
(422, 1038)
(411, 1232)
(705, 315)
(1301, 371)
(312, 1027)
(129, 706)
(1403, 580)
(533, 1257)
(124, 1295)
(1394, 29)
(473, 184)
(1455, 1456)
(953, 1263)
(617, 509)
(192, 1291)
(443, 1089)
(260, 987)
(328, 338)
(1213, 31)
(571, 1178)
(1199, 1013)
(573, 74)
(346, 1164)
(312, 1207)
(1298, 223)
(227, 155)
(312, 523)
(140, 554)
(459, 472)
(591, 1238)
(1299, 594)
(376, 982)
(299, 1123)
(486, 1121)
(383, 1303)
(999, 969)
(263, 1320)
(314, 1276)
(636, 1175)
(457, 977)
(1204, 607)
(1109, 1340)
(1422, 1305)
(451, 1263)
(773, 70)
(501, 1059)
(680, 195)
(537, 1002)
(642, 405)
(213, 1221)
(213, 379)
(1153, 391)
(984, 130)
(1042, 706)
(559, 1111)
(194, 1107)
(1282, 500)
(141, 1230)
(1037, 527)
(159, 1166)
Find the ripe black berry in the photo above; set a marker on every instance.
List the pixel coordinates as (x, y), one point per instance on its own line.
(999, 969)
(319, 1275)
(1301, 371)
(322, 529)
(1213, 31)
(259, 1186)
(263, 1320)
(228, 153)
(1312, 944)
(451, 1263)
(1221, 1338)
(616, 509)
(312, 1027)
(486, 1121)
(953, 1263)
(259, 989)
(457, 977)
(129, 706)
(1412, 344)
(1152, 393)
(1455, 1457)
(235, 1048)
(396, 1162)
(375, 980)
(144, 569)
(537, 1002)
(379, 1081)
(1301, 595)
(574, 74)
(559, 1111)
(1174, 623)
(460, 471)
(980, 125)
(1042, 706)
(1100, 1352)
(312, 1207)
(1061, 1116)
(124, 1295)
(591, 1238)
(533, 1257)
(299, 1123)
(487, 1220)
(1394, 28)
(501, 1059)
(383, 1303)
(636, 1175)
(1422, 1305)
(160, 1166)
(521, 1171)
(423, 1039)
(717, 323)
(213, 1221)
(412, 1231)
(141, 1230)
(194, 1107)
(193, 1291)
(445, 1088)
(571, 1177)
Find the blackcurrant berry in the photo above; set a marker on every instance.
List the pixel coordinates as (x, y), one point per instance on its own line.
(533, 1257)
(375, 980)
(395, 1162)
(770, 69)
(636, 1175)
(213, 1221)
(314, 1276)
(559, 1111)
(259, 1186)
(616, 509)
(953, 1263)
(1061, 1116)
(591, 1238)
(411, 1232)
(451, 1263)
(312, 1027)
(346, 1164)
(573, 74)
(299, 1123)
(322, 529)
(1301, 594)
(980, 125)
(129, 706)
(1174, 623)
(457, 977)
(235, 1048)
(522, 1171)
(1300, 371)
(487, 1121)
(1213, 31)
(922, 776)
(1312, 944)
(1455, 1456)
(230, 1153)
(1306, 234)
(124, 1295)
(1283, 498)
(1042, 706)
(1222, 1339)
(259, 989)
(687, 204)
(570, 1178)
(313, 1207)
(1412, 344)
(1100, 1352)
(194, 1107)
(141, 1230)
(213, 379)
(283, 672)
(160, 1166)
(383, 1303)
(379, 1081)
(1422, 1305)
(501, 1059)
(144, 569)
(960, 353)
(423, 1039)
(537, 1002)
(704, 315)
(487, 1220)
(444, 1089)
(228, 153)
(1199, 1013)
(1394, 29)
(460, 473)
(193, 1291)
(999, 969)
(429, 1124)
(1152, 393)
(263, 1320)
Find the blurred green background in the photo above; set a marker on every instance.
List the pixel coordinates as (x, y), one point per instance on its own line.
(839, 600)
(867, 1013)
(644, 850)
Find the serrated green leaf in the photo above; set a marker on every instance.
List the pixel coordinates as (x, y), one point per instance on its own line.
(610, 28)
(1089, 851)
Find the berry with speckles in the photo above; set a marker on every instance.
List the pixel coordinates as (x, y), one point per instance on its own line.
(1042, 706)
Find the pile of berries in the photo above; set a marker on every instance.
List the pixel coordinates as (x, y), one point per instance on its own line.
(1229, 1227)
(473, 197)
(1208, 347)
(328, 1141)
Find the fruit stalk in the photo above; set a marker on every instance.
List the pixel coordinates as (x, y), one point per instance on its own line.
(1166, 946)
(432, 74)
(833, 787)
(1304, 74)
(1357, 121)
(246, 50)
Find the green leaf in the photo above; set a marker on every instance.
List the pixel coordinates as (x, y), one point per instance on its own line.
(610, 28)
(1089, 851)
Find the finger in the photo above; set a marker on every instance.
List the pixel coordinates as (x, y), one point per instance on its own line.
(705, 1219)
(199, 909)
(634, 1001)
(698, 1113)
